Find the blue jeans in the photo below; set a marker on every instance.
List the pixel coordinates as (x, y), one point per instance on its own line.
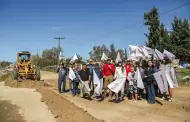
(151, 93)
(61, 81)
(75, 87)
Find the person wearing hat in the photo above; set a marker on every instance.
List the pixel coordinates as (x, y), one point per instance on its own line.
(120, 73)
(108, 73)
(62, 73)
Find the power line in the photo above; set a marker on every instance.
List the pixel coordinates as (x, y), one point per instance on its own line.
(134, 24)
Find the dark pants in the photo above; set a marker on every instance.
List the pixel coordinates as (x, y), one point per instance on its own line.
(151, 93)
(75, 87)
(61, 82)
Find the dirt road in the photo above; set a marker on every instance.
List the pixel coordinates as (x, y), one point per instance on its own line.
(9, 112)
(30, 96)
(28, 103)
(128, 111)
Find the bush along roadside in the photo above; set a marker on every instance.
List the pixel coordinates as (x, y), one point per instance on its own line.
(4, 77)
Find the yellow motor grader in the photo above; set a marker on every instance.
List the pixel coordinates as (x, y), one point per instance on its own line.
(24, 69)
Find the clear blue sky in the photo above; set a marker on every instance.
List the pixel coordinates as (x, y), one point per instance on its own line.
(32, 24)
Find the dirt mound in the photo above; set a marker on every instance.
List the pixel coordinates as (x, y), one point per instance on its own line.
(64, 110)
(24, 83)
(21, 84)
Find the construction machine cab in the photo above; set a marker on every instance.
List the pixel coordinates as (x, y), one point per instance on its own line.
(24, 67)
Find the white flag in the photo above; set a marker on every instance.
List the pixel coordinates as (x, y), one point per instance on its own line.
(135, 51)
(86, 85)
(139, 79)
(74, 58)
(71, 74)
(169, 55)
(60, 56)
(98, 82)
(144, 51)
(172, 81)
(116, 85)
(95, 78)
(161, 80)
(118, 58)
(149, 50)
(104, 57)
(158, 55)
(99, 87)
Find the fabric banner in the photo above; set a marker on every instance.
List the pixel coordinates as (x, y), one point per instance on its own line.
(169, 55)
(161, 80)
(71, 74)
(174, 78)
(116, 85)
(170, 75)
(99, 87)
(143, 51)
(158, 55)
(86, 85)
(149, 50)
(60, 56)
(139, 79)
(95, 78)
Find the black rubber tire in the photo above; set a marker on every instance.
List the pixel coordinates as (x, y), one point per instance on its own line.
(38, 74)
(15, 75)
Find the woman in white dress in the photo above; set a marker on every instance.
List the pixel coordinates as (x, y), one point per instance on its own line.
(120, 73)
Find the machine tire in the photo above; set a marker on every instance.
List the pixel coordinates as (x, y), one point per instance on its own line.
(15, 75)
(38, 74)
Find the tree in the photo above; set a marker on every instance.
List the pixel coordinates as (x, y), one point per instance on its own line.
(4, 64)
(153, 23)
(113, 53)
(179, 38)
(125, 54)
(97, 52)
(122, 54)
(164, 39)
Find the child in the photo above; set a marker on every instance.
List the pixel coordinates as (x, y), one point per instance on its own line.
(133, 84)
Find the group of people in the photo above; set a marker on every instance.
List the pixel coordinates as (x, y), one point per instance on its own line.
(110, 72)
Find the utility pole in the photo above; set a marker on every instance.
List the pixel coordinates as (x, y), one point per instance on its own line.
(59, 48)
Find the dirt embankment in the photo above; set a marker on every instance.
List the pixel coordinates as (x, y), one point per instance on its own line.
(62, 109)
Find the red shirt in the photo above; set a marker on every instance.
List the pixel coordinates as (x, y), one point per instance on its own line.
(108, 71)
(128, 69)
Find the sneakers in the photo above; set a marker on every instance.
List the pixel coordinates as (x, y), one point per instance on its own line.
(170, 100)
(163, 98)
(135, 101)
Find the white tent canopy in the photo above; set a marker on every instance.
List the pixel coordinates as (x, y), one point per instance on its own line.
(118, 58)
(74, 58)
(104, 57)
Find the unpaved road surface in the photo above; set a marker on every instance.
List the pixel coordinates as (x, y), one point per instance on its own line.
(31, 95)
(28, 103)
(128, 111)
(9, 112)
